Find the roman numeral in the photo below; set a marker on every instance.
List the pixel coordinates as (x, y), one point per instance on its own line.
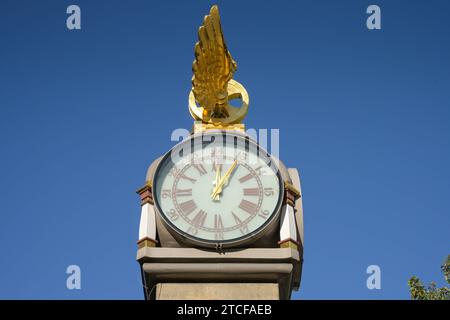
(243, 229)
(183, 192)
(200, 168)
(248, 206)
(218, 225)
(245, 178)
(188, 206)
(236, 218)
(252, 192)
(199, 219)
(183, 176)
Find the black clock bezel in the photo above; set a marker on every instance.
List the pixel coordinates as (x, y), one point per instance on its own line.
(235, 242)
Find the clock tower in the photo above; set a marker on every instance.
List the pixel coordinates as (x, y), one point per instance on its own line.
(221, 218)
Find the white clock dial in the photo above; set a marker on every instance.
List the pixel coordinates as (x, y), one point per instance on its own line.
(214, 190)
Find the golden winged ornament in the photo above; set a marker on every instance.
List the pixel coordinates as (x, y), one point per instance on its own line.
(212, 84)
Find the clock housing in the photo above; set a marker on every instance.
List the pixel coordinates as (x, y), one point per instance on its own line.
(248, 205)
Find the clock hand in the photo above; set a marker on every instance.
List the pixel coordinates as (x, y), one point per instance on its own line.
(218, 168)
(223, 180)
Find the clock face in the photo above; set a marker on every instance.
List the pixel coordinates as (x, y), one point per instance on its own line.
(217, 188)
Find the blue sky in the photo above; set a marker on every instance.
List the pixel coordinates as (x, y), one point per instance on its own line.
(364, 115)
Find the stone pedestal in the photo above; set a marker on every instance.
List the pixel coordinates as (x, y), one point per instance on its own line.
(217, 291)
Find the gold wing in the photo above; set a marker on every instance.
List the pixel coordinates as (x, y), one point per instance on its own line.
(213, 67)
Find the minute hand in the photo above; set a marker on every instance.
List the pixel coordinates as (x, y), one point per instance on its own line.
(224, 179)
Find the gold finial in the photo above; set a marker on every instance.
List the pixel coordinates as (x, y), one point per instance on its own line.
(212, 83)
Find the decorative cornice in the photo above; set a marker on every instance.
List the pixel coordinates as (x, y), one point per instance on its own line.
(147, 242)
(146, 194)
(290, 188)
(291, 194)
(288, 243)
(202, 127)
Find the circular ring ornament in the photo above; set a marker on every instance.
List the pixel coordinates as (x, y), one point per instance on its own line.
(235, 114)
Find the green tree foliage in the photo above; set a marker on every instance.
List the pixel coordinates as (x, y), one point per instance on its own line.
(431, 292)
